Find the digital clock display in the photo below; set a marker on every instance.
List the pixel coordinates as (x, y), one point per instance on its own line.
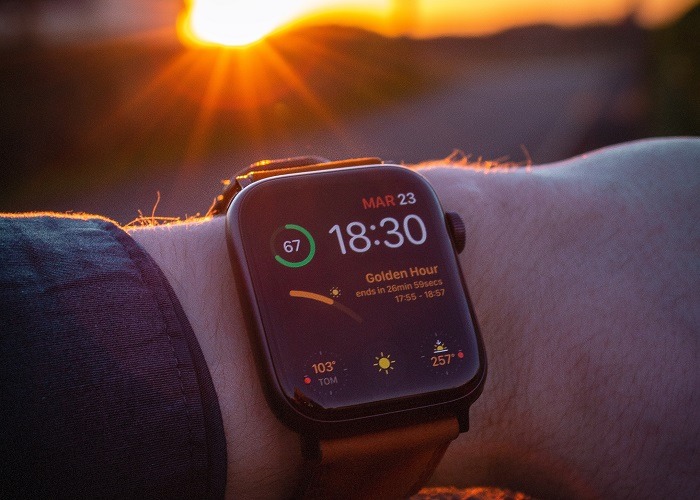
(356, 289)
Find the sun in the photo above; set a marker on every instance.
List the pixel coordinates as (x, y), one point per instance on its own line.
(236, 23)
(384, 363)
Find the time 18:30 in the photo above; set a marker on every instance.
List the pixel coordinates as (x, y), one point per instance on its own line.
(395, 234)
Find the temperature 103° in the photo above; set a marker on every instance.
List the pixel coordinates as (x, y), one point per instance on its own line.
(389, 232)
(324, 367)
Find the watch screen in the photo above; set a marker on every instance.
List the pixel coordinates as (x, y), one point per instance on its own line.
(357, 286)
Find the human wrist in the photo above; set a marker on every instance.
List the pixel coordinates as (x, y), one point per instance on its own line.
(188, 253)
(552, 264)
(263, 455)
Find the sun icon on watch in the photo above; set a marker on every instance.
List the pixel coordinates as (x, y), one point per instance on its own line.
(384, 363)
(439, 347)
(335, 292)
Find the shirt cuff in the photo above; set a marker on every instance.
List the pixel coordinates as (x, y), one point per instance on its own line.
(104, 391)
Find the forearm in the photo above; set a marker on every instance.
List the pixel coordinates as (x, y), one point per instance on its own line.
(592, 377)
(585, 282)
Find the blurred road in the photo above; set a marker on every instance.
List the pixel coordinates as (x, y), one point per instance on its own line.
(547, 108)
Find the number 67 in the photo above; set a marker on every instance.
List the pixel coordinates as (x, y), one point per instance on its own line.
(291, 246)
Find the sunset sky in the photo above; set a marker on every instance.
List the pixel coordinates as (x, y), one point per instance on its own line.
(423, 18)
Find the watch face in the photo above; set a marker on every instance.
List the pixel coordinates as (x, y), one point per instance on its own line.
(355, 290)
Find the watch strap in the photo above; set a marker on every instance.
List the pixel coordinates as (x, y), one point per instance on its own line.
(393, 463)
(271, 168)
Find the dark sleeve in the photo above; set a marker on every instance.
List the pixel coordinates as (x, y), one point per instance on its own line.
(104, 391)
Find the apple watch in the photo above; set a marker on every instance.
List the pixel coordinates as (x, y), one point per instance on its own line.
(363, 331)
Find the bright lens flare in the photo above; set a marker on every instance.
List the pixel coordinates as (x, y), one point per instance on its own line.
(236, 23)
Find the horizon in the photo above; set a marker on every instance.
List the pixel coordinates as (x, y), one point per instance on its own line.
(159, 19)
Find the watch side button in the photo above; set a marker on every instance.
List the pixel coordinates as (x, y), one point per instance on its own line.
(457, 230)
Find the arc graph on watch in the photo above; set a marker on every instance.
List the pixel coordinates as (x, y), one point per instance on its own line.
(303, 294)
(292, 245)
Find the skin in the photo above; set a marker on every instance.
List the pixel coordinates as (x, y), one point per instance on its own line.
(585, 278)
